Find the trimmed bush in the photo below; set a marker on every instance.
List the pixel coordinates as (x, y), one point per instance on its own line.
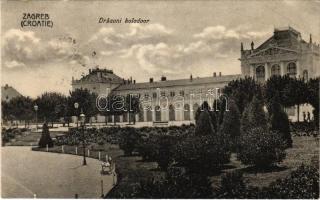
(201, 153)
(302, 183)
(280, 122)
(253, 116)
(45, 137)
(261, 148)
(129, 140)
(231, 121)
(234, 187)
(177, 184)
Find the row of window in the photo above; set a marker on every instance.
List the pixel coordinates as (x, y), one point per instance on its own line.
(276, 70)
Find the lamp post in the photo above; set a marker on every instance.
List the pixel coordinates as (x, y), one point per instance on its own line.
(76, 106)
(36, 109)
(82, 123)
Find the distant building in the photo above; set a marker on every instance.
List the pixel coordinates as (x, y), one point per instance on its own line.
(98, 80)
(8, 92)
(284, 53)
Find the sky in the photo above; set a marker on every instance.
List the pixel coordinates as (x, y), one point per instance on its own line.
(181, 38)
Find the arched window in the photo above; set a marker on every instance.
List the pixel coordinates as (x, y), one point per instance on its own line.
(172, 114)
(125, 117)
(117, 118)
(292, 69)
(186, 112)
(158, 113)
(275, 70)
(305, 75)
(149, 115)
(260, 73)
(141, 117)
(195, 108)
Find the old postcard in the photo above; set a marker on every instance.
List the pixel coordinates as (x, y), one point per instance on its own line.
(160, 99)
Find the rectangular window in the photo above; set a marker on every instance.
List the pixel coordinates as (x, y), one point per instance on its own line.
(172, 93)
(154, 95)
(163, 93)
(181, 92)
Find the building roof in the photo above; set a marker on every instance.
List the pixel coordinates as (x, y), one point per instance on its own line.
(178, 82)
(99, 76)
(286, 38)
(8, 92)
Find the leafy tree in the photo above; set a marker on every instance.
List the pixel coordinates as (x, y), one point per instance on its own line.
(86, 101)
(261, 148)
(20, 108)
(242, 91)
(49, 105)
(290, 91)
(279, 121)
(313, 98)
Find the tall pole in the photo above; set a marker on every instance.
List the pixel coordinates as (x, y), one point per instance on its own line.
(84, 146)
(36, 120)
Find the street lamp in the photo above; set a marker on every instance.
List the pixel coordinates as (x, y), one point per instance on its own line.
(76, 106)
(36, 109)
(82, 123)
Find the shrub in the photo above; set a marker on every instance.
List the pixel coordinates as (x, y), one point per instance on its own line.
(128, 141)
(280, 122)
(45, 138)
(234, 187)
(302, 183)
(261, 148)
(176, 184)
(165, 150)
(253, 116)
(231, 123)
(204, 124)
(198, 153)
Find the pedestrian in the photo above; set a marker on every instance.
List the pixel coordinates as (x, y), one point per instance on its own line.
(308, 116)
(304, 116)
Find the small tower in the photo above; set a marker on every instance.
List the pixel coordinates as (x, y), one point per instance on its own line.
(310, 41)
(252, 45)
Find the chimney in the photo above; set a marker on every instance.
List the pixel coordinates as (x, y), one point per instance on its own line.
(219, 73)
(214, 74)
(151, 80)
(134, 81)
(241, 46)
(163, 78)
(191, 77)
(310, 39)
(130, 79)
(252, 45)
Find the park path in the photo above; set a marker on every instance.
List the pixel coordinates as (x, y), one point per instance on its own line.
(25, 173)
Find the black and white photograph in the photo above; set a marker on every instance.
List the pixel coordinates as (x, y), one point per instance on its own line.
(160, 99)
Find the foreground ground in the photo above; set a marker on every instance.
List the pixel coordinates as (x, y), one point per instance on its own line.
(132, 169)
(26, 173)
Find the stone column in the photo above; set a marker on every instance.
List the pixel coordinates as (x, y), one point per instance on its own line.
(121, 118)
(252, 69)
(282, 69)
(266, 71)
(298, 69)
